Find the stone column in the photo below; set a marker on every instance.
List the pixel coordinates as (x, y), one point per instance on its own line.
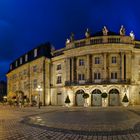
(88, 68)
(128, 66)
(72, 69)
(67, 69)
(122, 66)
(105, 66)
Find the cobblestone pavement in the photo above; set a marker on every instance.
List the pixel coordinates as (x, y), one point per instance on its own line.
(59, 123)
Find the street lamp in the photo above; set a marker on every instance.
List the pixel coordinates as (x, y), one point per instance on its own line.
(39, 89)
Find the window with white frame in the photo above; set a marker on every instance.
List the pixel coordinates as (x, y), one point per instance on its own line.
(11, 67)
(26, 57)
(21, 60)
(113, 75)
(97, 76)
(81, 62)
(35, 52)
(59, 79)
(81, 77)
(97, 60)
(114, 60)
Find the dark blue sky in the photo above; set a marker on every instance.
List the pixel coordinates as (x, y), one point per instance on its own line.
(25, 24)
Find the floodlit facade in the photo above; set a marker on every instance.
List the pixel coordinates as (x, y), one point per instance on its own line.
(105, 62)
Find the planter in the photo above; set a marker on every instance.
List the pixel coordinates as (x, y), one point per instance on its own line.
(125, 104)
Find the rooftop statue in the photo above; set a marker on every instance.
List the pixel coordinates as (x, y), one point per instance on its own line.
(72, 37)
(67, 41)
(87, 33)
(105, 31)
(122, 30)
(132, 35)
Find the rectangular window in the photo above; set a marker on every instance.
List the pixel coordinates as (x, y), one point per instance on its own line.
(113, 75)
(97, 76)
(21, 60)
(26, 58)
(35, 68)
(35, 53)
(97, 60)
(35, 83)
(59, 67)
(59, 80)
(114, 60)
(81, 77)
(81, 62)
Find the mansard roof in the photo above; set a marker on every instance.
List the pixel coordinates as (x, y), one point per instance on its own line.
(42, 50)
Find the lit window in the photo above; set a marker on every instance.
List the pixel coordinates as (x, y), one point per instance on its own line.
(21, 60)
(35, 83)
(35, 68)
(26, 58)
(97, 76)
(81, 77)
(97, 60)
(113, 75)
(35, 53)
(59, 67)
(81, 62)
(114, 60)
(59, 80)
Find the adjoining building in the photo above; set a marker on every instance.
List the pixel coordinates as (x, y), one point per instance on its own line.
(3, 89)
(104, 62)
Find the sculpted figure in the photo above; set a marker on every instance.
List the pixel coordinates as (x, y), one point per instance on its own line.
(132, 35)
(87, 33)
(105, 31)
(122, 30)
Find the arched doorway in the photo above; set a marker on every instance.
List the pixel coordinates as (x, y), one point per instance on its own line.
(96, 99)
(113, 97)
(79, 100)
(59, 99)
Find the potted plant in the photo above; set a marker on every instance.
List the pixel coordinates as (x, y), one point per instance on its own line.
(104, 96)
(85, 96)
(125, 100)
(67, 101)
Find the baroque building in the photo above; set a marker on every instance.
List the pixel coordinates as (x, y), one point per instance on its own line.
(103, 62)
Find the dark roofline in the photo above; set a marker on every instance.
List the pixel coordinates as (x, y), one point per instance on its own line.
(43, 50)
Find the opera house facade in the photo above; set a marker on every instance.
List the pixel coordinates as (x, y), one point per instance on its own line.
(105, 62)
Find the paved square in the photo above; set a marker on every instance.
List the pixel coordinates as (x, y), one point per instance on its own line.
(60, 123)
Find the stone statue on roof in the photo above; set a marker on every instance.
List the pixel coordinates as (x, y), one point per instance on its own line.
(72, 37)
(122, 30)
(132, 35)
(105, 31)
(87, 33)
(67, 41)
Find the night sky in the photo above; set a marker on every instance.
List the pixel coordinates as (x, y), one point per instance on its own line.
(24, 24)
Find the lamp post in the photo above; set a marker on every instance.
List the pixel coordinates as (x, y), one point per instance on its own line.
(39, 89)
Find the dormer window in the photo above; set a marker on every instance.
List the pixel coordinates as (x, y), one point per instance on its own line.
(11, 67)
(35, 53)
(16, 63)
(21, 60)
(26, 58)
